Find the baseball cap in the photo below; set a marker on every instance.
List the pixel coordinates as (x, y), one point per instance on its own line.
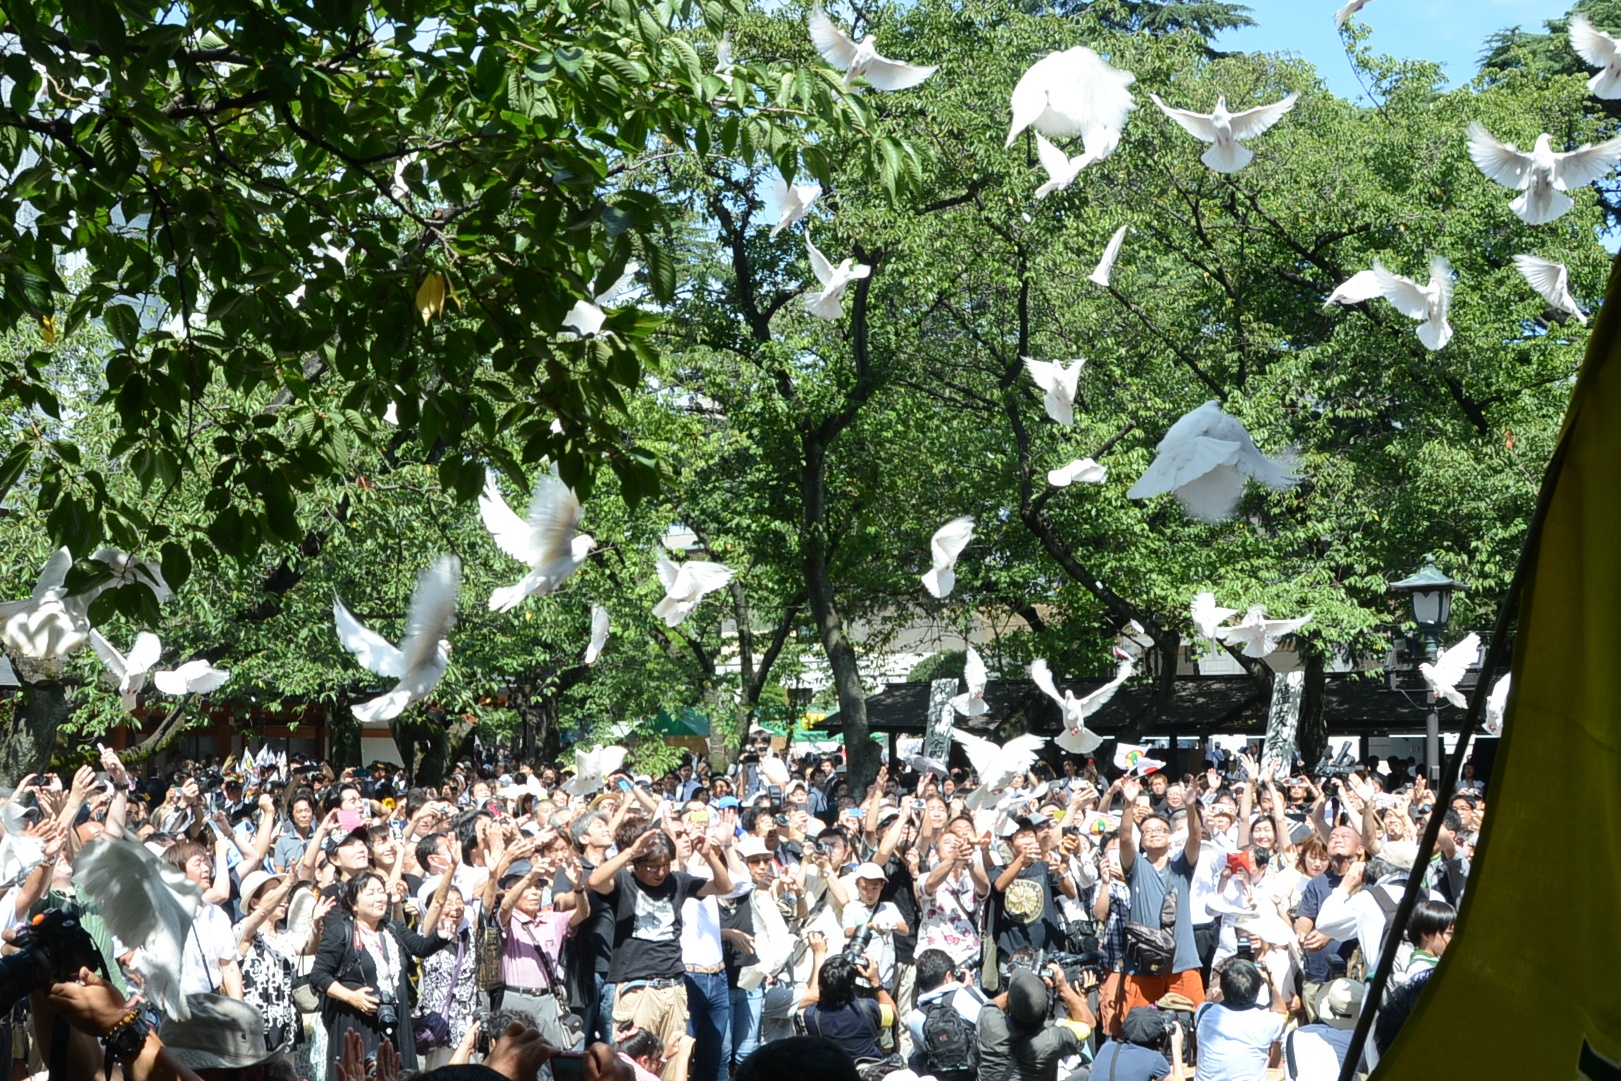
(871, 871)
(222, 1034)
(751, 847)
(1144, 1026)
(517, 870)
(725, 802)
(1339, 1004)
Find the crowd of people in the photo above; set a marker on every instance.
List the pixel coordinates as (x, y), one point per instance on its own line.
(1215, 924)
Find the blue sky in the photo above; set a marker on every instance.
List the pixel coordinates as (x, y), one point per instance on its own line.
(1450, 31)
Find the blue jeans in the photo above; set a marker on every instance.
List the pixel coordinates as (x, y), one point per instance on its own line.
(709, 1023)
(599, 1017)
(746, 1006)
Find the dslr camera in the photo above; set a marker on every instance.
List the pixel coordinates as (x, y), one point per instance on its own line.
(52, 948)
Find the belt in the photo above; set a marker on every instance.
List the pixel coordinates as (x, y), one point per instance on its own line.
(538, 992)
(654, 984)
(707, 970)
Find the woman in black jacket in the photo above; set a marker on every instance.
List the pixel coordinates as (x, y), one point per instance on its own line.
(363, 969)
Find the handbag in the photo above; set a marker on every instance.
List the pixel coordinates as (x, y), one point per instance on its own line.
(431, 1029)
(1150, 949)
(489, 954)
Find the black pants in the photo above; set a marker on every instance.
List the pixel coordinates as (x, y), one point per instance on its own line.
(1205, 938)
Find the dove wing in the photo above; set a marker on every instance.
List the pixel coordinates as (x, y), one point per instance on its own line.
(834, 44)
(144, 653)
(1043, 679)
(1406, 295)
(1582, 167)
(511, 533)
(1498, 160)
(950, 539)
(52, 574)
(1198, 125)
(1361, 286)
(599, 633)
(982, 753)
(554, 519)
(146, 904)
(819, 264)
(374, 653)
(1252, 122)
(1053, 160)
(1546, 277)
(1593, 46)
(615, 292)
(1184, 461)
(1110, 253)
(887, 74)
(1043, 372)
(1100, 697)
(431, 615)
(668, 571)
(1497, 704)
(1450, 666)
(700, 576)
(110, 657)
(973, 672)
(1019, 754)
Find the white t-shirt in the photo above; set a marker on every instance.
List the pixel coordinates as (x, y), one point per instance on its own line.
(1233, 1044)
(210, 942)
(1316, 1052)
(881, 950)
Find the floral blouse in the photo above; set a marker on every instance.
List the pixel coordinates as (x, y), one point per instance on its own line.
(949, 919)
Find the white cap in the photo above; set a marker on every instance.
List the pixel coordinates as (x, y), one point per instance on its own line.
(751, 846)
(871, 871)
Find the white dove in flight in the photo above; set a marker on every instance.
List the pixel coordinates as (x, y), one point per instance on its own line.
(1061, 169)
(423, 654)
(686, 585)
(1552, 283)
(1133, 640)
(724, 61)
(1429, 304)
(794, 200)
(1259, 635)
(1358, 288)
(1343, 15)
(599, 633)
(862, 60)
(193, 677)
(971, 703)
(1205, 460)
(591, 768)
(124, 570)
(587, 316)
(1111, 252)
(548, 540)
(1497, 705)
(1076, 738)
(828, 304)
(996, 766)
(1074, 92)
(1080, 471)
(45, 626)
(945, 546)
(1442, 677)
(1209, 616)
(148, 905)
(1225, 130)
(1058, 385)
(128, 671)
(1542, 176)
(1600, 51)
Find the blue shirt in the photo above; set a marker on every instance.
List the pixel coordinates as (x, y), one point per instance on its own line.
(1148, 889)
(1134, 1064)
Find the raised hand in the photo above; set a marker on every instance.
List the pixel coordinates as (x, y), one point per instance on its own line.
(1212, 779)
(114, 767)
(1130, 789)
(1252, 768)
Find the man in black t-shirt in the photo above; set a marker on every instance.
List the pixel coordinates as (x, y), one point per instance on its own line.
(647, 969)
(1026, 911)
(589, 950)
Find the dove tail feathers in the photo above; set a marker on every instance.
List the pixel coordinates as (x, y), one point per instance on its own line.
(1435, 334)
(1227, 157)
(382, 708)
(1606, 84)
(940, 583)
(1214, 496)
(824, 306)
(1540, 211)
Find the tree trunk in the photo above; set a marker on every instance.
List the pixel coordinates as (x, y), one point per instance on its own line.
(26, 744)
(1311, 737)
(428, 743)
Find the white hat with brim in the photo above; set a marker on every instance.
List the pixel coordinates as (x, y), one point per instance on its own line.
(751, 847)
(1339, 1004)
(222, 1034)
(253, 882)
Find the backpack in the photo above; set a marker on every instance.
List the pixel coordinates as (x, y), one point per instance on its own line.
(950, 1043)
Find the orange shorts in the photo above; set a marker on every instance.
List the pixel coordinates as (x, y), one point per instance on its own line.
(1148, 990)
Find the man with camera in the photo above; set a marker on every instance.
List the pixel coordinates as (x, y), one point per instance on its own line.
(1148, 1033)
(1019, 1040)
(945, 1023)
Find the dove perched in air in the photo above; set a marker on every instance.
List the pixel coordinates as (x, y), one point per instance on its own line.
(1074, 92)
(1208, 616)
(587, 316)
(1226, 130)
(1442, 676)
(945, 546)
(1058, 384)
(861, 60)
(971, 703)
(1076, 738)
(1359, 287)
(1497, 705)
(828, 304)
(591, 768)
(420, 660)
(1080, 471)
(794, 200)
(996, 766)
(1111, 252)
(19, 853)
(1552, 283)
(1429, 304)
(1599, 50)
(1259, 635)
(599, 633)
(148, 905)
(548, 540)
(1343, 15)
(193, 677)
(1543, 175)
(1205, 460)
(45, 626)
(686, 585)
(128, 671)
(1061, 169)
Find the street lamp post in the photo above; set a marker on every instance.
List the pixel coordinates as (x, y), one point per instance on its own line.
(1430, 593)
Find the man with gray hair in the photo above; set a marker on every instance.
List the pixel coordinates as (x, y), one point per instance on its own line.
(1364, 903)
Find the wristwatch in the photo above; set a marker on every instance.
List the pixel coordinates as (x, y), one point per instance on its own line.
(127, 1037)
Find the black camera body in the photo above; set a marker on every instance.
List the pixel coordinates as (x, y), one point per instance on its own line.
(52, 948)
(856, 949)
(387, 1017)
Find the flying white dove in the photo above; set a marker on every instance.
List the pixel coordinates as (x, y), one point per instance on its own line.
(1204, 461)
(1359, 287)
(1258, 635)
(1111, 252)
(794, 200)
(1427, 303)
(19, 853)
(686, 585)
(45, 627)
(592, 767)
(1442, 677)
(723, 57)
(1060, 167)
(587, 316)
(1343, 15)
(862, 60)
(549, 540)
(945, 546)
(1080, 471)
(1074, 92)
(996, 766)
(1497, 705)
(1542, 175)
(971, 703)
(828, 304)
(423, 654)
(1133, 641)
(1058, 383)
(148, 905)
(1076, 738)
(1599, 50)
(1225, 130)
(1207, 615)
(1552, 282)
(599, 633)
(128, 671)
(193, 677)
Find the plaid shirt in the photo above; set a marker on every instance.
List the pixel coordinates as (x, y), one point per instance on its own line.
(1112, 938)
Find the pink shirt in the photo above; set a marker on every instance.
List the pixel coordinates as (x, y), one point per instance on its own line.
(520, 961)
